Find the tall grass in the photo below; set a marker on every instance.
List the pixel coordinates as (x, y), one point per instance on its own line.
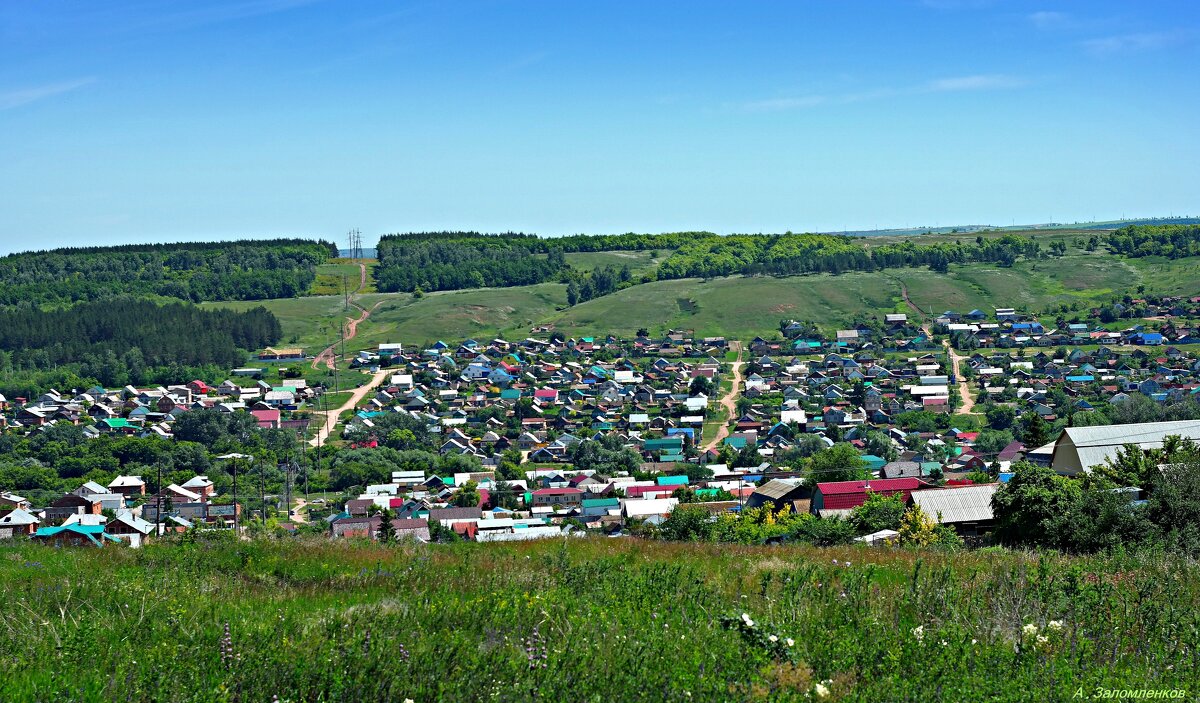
(589, 620)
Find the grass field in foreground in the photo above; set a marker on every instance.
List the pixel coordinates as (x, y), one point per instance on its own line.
(588, 620)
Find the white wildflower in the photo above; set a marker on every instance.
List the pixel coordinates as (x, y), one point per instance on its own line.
(789, 642)
(919, 632)
(945, 643)
(974, 641)
(821, 690)
(773, 638)
(1042, 640)
(1055, 625)
(1029, 630)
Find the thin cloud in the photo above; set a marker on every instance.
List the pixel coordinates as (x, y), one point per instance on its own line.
(1124, 43)
(26, 96)
(957, 4)
(1047, 20)
(523, 62)
(777, 104)
(977, 82)
(941, 85)
(199, 16)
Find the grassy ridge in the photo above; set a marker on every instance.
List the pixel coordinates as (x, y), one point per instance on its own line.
(742, 306)
(592, 620)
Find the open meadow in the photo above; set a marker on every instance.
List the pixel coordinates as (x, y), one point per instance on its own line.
(587, 620)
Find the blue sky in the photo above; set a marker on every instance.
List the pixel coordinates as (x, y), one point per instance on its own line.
(159, 121)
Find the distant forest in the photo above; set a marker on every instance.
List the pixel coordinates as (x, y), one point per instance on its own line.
(241, 270)
(1171, 241)
(455, 260)
(125, 340)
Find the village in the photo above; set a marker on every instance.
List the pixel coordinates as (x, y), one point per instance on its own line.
(556, 436)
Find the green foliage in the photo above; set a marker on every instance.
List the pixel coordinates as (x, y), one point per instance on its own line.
(125, 340)
(878, 512)
(841, 462)
(1000, 417)
(990, 442)
(920, 530)
(1170, 241)
(242, 270)
(1033, 507)
(313, 620)
(467, 496)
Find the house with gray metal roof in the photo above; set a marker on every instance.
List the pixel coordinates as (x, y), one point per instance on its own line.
(1078, 449)
(968, 509)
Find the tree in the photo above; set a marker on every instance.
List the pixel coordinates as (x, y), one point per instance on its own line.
(841, 462)
(1036, 431)
(1134, 466)
(572, 293)
(1000, 417)
(920, 530)
(687, 523)
(387, 531)
(990, 442)
(878, 512)
(1033, 508)
(467, 496)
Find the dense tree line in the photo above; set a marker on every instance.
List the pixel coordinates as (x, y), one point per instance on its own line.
(453, 261)
(1171, 241)
(242, 270)
(124, 340)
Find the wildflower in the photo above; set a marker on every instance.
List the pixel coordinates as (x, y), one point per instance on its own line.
(835, 562)
(974, 641)
(773, 638)
(847, 565)
(1055, 625)
(821, 690)
(1029, 630)
(945, 643)
(409, 700)
(789, 641)
(919, 632)
(1042, 640)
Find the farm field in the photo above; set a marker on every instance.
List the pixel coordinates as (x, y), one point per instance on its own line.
(588, 620)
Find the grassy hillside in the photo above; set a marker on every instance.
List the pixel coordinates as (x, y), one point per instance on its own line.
(637, 261)
(737, 306)
(456, 315)
(588, 620)
(338, 272)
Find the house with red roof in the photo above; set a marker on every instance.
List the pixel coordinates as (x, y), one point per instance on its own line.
(836, 497)
(267, 419)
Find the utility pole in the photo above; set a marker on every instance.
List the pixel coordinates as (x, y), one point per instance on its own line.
(158, 518)
(262, 489)
(235, 503)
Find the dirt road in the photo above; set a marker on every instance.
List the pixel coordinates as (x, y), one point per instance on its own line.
(329, 355)
(967, 403)
(729, 400)
(331, 416)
